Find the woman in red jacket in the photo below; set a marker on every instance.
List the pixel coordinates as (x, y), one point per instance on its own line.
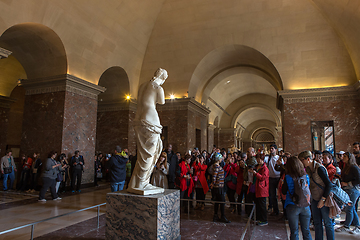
(201, 186)
(230, 180)
(186, 181)
(261, 190)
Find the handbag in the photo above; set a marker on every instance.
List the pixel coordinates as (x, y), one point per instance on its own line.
(59, 177)
(7, 170)
(340, 196)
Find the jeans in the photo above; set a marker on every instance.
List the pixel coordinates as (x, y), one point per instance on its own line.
(118, 186)
(296, 214)
(319, 215)
(273, 184)
(12, 178)
(351, 212)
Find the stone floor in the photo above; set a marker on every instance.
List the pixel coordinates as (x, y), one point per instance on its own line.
(18, 208)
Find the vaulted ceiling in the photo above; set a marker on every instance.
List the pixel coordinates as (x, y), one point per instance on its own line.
(231, 55)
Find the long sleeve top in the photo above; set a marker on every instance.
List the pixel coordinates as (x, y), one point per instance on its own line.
(218, 176)
(352, 178)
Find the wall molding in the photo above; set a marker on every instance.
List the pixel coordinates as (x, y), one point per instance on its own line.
(4, 53)
(184, 104)
(61, 83)
(117, 106)
(5, 102)
(320, 94)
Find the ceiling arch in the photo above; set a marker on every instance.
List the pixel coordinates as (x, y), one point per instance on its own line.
(38, 49)
(235, 82)
(253, 114)
(252, 99)
(227, 57)
(116, 82)
(256, 125)
(254, 109)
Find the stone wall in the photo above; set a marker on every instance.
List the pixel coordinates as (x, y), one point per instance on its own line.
(182, 117)
(340, 105)
(115, 128)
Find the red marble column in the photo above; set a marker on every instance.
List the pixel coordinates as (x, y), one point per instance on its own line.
(60, 114)
(115, 127)
(5, 103)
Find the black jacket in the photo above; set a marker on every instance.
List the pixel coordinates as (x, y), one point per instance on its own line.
(117, 168)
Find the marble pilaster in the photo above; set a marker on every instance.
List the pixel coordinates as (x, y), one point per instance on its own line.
(115, 126)
(211, 137)
(182, 117)
(60, 114)
(130, 216)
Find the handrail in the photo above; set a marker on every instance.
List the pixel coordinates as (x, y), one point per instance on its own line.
(102, 204)
(48, 219)
(248, 222)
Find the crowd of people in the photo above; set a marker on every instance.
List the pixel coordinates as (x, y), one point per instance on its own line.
(303, 183)
(54, 173)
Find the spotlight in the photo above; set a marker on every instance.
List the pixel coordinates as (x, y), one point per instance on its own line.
(128, 97)
(172, 96)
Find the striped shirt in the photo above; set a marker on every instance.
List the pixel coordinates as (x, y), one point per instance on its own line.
(218, 177)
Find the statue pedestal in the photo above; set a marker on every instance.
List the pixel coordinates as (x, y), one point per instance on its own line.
(130, 216)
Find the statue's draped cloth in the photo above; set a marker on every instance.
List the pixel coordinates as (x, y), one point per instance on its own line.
(149, 147)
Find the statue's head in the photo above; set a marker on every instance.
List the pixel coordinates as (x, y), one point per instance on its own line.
(161, 74)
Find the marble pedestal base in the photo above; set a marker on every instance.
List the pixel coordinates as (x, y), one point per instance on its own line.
(130, 216)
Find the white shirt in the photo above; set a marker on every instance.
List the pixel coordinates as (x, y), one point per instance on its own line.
(271, 162)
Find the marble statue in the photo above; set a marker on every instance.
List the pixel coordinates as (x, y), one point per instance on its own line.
(148, 129)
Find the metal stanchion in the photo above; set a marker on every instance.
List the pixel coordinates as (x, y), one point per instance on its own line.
(98, 216)
(32, 231)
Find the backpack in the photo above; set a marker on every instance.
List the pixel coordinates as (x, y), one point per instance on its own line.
(302, 195)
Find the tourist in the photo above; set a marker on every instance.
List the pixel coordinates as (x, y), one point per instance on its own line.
(350, 181)
(320, 186)
(159, 177)
(77, 163)
(36, 170)
(186, 180)
(8, 169)
(117, 169)
(64, 172)
(231, 180)
(97, 168)
(241, 188)
(261, 173)
(217, 189)
(173, 161)
(295, 214)
(49, 175)
(25, 172)
(274, 178)
(201, 186)
(249, 179)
